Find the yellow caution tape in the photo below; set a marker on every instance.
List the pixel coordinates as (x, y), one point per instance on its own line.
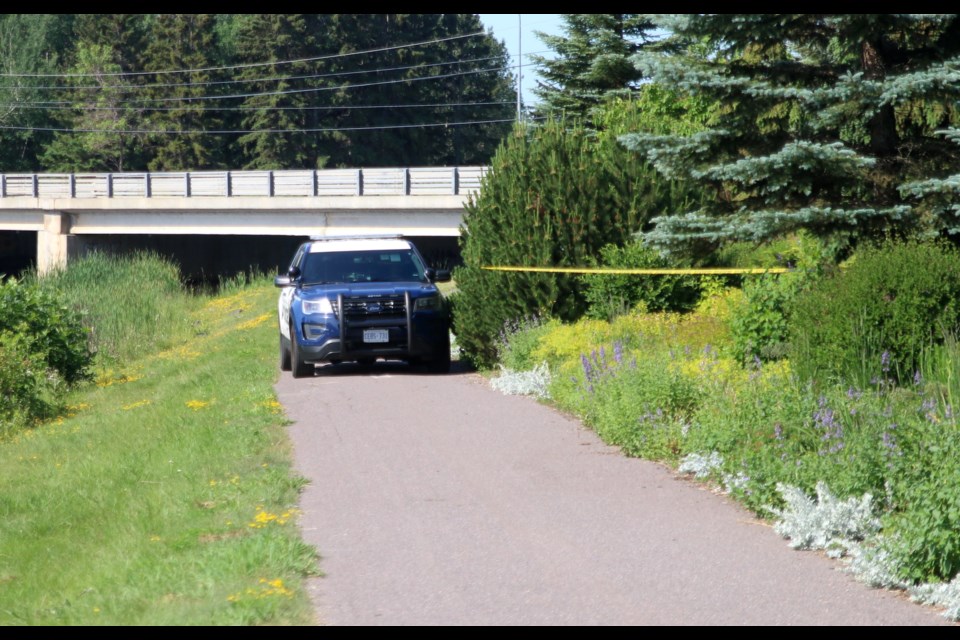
(649, 272)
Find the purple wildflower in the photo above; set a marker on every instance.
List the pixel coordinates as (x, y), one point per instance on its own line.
(885, 361)
(618, 351)
(826, 421)
(917, 378)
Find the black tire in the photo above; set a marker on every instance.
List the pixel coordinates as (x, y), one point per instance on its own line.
(441, 360)
(299, 368)
(285, 357)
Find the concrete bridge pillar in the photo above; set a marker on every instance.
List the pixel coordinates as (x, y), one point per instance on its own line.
(55, 243)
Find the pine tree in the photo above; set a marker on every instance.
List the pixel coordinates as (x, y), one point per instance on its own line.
(286, 95)
(592, 62)
(172, 100)
(554, 196)
(441, 80)
(104, 126)
(823, 123)
(29, 44)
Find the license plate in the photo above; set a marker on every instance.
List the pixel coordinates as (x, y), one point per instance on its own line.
(376, 335)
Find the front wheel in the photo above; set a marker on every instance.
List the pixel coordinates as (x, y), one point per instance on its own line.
(441, 361)
(299, 368)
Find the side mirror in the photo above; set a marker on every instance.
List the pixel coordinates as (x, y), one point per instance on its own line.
(441, 275)
(293, 274)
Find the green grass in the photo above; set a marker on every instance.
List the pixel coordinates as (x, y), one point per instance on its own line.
(165, 495)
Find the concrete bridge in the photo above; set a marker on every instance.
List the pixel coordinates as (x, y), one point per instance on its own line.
(72, 212)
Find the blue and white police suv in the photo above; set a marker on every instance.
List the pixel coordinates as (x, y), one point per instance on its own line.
(361, 299)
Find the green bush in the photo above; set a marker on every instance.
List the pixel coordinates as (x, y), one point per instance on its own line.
(52, 330)
(610, 295)
(760, 325)
(26, 391)
(553, 197)
(876, 318)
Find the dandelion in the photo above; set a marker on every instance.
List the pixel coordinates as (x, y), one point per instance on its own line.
(196, 405)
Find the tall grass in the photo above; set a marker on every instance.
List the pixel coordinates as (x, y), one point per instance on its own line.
(134, 304)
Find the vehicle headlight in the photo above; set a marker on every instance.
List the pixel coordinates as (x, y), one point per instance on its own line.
(431, 303)
(320, 305)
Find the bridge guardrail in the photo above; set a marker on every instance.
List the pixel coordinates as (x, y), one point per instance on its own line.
(306, 183)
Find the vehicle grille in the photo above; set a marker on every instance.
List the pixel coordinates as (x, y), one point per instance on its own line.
(367, 307)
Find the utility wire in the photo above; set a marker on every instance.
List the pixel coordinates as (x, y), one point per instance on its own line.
(67, 87)
(242, 108)
(240, 66)
(340, 87)
(244, 131)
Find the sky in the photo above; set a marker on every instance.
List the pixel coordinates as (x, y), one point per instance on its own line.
(516, 30)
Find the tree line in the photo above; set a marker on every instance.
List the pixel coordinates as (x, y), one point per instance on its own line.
(169, 92)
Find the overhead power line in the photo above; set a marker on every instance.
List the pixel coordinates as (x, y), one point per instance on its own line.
(60, 107)
(241, 66)
(244, 131)
(340, 87)
(313, 76)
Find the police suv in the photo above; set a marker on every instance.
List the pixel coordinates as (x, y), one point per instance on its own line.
(361, 299)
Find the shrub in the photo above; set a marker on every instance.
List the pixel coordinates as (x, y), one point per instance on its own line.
(759, 325)
(610, 295)
(48, 327)
(891, 303)
(25, 388)
(553, 197)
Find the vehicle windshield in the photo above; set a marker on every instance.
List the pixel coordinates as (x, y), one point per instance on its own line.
(394, 265)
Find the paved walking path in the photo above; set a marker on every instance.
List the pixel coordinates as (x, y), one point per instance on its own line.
(434, 500)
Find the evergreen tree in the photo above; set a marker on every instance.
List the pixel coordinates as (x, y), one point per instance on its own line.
(592, 61)
(387, 96)
(104, 125)
(823, 122)
(124, 33)
(172, 100)
(554, 196)
(29, 44)
(284, 92)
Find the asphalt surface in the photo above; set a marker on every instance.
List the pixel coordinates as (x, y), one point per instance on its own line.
(434, 500)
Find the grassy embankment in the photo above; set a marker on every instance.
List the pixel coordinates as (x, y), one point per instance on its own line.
(164, 494)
